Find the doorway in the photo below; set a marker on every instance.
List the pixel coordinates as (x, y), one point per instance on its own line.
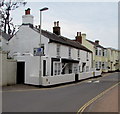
(20, 72)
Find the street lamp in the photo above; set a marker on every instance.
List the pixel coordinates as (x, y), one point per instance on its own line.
(43, 9)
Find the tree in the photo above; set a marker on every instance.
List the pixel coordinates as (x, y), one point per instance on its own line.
(6, 7)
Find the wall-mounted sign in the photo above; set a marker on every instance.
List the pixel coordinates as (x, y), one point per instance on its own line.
(38, 51)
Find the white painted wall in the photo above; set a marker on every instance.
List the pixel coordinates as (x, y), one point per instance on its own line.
(52, 80)
(25, 40)
(27, 19)
(85, 75)
(8, 70)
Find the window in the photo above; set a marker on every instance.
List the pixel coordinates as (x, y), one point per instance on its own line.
(57, 68)
(58, 50)
(79, 69)
(42, 46)
(103, 52)
(99, 52)
(87, 56)
(69, 53)
(87, 68)
(103, 65)
(96, 51)
(99, 65)
(78, 53)
(75, 68)
(96, 65)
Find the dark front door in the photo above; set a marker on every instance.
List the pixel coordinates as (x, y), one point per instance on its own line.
(44, 67)
(20, 72)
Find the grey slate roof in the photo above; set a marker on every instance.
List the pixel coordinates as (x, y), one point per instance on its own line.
(96, 44)
(62, 40)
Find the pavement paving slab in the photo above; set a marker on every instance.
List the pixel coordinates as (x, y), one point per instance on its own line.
(107, 103)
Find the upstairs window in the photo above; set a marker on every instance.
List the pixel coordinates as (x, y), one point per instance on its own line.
(58, 50)
(69, 52)
(99, 52)
(96, 51)
(43, 48)
(87, 56)
(103, 52)
(78, 53)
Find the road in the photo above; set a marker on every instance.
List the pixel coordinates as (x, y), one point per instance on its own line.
(62, 99)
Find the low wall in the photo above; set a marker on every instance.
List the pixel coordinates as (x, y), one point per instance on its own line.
(97, 73)
(8, 72)
(52, 80)
(85, 75)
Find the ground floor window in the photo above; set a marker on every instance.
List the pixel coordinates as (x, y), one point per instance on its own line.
(57, 68)
(79, 68)
(103, 65)
(99, 65)
(83, 67)
(75, 68)
(87, 68)
(96, 65)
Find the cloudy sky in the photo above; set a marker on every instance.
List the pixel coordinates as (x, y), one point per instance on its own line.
(99, 20)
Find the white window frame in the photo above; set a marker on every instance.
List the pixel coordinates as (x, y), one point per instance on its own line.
(96, 51)
(57, 68)
(87, 56)
(96, 65)
(78, 53)
(100, 52)
(100, 64)
(58, 50)
(69, 52)
(75, 68)
(87, 68)
(103, 65)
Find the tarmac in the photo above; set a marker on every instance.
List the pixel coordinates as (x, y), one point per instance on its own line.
(106, 103)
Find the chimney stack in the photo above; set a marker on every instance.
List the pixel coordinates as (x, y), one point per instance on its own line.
(27, 18)
(79, 37)
(97, 42)
(56, 28)
(27, 12)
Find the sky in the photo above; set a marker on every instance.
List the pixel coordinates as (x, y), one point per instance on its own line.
(99, 20)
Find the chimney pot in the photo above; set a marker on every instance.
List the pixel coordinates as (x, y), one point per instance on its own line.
(56, 28)
(78, 33)
(57, 23)
(97, 42)
(54, 24)
(27, 12)
(79, 37)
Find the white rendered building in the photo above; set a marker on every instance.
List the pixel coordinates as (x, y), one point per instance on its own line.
(63, 60)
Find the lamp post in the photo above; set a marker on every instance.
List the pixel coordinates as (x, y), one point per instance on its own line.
(43, 9)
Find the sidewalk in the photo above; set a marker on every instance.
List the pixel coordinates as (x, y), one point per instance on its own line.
(19, 87)
(107, 103)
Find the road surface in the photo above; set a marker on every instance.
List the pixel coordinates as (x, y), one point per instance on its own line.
(60, 99)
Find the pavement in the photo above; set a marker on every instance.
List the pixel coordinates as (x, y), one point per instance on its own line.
(19, 87)
(106, 103)
(66, 98)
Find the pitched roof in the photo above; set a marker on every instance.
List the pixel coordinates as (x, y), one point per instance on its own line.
(62, 40)
(5, 35)
(97, 45)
